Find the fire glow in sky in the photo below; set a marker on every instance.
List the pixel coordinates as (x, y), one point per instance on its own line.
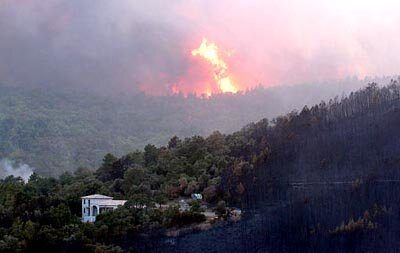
(156, 46)
(211, 53)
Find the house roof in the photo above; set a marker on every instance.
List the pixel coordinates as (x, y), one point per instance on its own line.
(112, 203)
(96, 196)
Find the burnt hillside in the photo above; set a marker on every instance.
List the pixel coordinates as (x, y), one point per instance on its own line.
(344, 156)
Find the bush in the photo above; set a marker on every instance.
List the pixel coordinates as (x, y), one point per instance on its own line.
(221, 208)
(187, 218)
(195, 207)
(366, 223)
(173, 217)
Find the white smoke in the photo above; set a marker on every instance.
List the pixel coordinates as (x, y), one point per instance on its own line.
(9, 167)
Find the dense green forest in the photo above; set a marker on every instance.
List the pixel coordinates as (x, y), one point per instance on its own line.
(57, 130)
(354, 138)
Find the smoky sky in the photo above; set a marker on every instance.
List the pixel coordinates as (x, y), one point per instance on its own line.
(131, 45)
(104, 44)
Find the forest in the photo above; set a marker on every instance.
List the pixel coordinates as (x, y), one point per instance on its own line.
(55, 130)
(352, 139)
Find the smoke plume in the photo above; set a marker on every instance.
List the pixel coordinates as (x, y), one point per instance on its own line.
(9, 167)
(132, 45)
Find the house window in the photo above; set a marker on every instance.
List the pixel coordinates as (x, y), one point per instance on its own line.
(84, 201)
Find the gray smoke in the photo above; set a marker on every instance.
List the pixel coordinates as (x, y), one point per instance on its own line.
(9, 167)
(127, 44)
(103, 44)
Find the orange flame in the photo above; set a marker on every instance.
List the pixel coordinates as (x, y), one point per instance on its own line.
(211, 53)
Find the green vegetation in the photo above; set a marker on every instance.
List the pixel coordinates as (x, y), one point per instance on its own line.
(243, 168)
(55, 130)
(43, 214)
(192, 165)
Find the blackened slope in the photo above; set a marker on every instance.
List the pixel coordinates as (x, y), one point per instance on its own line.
(342, 140)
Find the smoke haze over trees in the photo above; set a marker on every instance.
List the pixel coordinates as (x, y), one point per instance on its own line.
(55, 130)
(11, 168)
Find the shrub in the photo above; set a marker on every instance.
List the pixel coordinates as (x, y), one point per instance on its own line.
(366, 223)
(221, 208)
(173, 217)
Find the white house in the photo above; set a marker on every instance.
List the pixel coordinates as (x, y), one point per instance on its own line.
(93, 205)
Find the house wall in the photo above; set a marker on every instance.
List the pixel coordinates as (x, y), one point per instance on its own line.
(88, 205)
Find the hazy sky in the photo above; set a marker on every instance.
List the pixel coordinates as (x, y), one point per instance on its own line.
(146, 45)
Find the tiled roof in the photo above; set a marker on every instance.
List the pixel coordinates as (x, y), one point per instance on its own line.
(96, 196)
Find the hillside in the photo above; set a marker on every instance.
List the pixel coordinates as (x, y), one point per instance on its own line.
(56, 130)
(348, 148)
(329, 184)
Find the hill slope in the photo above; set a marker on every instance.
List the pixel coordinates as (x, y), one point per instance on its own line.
(59, 130)
(353, 140)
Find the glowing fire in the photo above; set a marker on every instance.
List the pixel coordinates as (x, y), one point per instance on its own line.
(211, 53)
